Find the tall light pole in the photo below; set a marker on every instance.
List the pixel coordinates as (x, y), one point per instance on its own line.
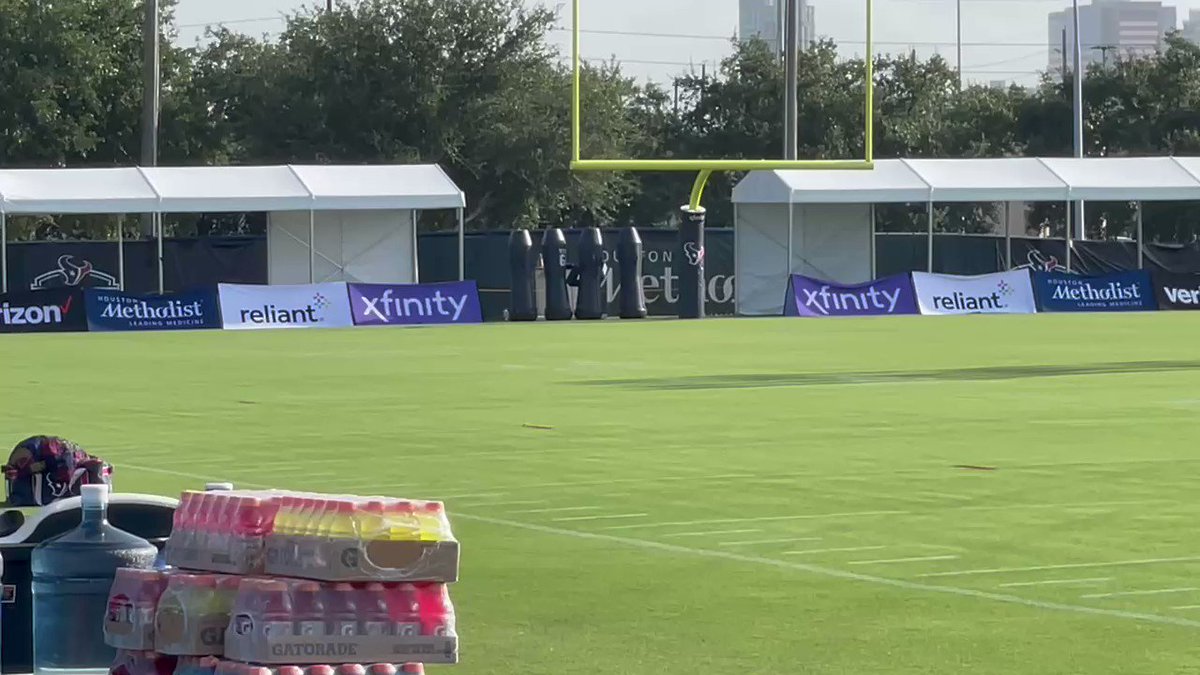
(791, 55)
(151, 84)
(958, 19)
(1078, 113)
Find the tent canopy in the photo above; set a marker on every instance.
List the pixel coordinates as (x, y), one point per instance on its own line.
(227, 188)
(981, 180)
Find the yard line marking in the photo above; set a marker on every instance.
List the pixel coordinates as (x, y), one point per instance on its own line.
(1072, 566)
(1057, 582)
(1157, 591)
(834, 550)
(763, 519)
(1187, 607)
(601, 517)
(929, 558)
(512, 502)
(768, 541)
(709, 532)
(557, 509)
(835, 573)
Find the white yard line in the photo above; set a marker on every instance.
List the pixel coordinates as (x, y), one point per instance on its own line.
(761, 519)
(1072, 566)
(730, 556)
(768, 541)
(511, 502)
(613, 516)
(709, 533)
(1187, 607)
(558, 509)
(1057, 582)
(849, 549)
(928, 558)
(1157, 591)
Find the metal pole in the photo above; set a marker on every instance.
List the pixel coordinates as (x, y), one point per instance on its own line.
(416, 259)
(791, 53)
(462, 248)
(874, 253)
(1069, 226)
(312, 247)
(1080, 220)
(328, 5)
(1141, 245)
(958, 12)
(4, 252)
(121, 251)
(737, 263)
(1007, 237)
(791, 236)
(158, 225)
(150, 84)
(929, 242)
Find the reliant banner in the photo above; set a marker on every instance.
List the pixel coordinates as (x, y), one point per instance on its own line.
(52, 311)
(1177, 291)
(1001, 293)
(302, 306)
(415, 304)
(813, 297)
(1123, 292)
(117, 311)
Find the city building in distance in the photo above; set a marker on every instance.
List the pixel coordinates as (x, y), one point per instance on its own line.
(764, 19)
(1110, 30)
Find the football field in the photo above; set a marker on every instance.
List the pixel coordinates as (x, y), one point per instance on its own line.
(903, 495)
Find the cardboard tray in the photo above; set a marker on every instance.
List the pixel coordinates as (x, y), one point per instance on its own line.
(353, 560)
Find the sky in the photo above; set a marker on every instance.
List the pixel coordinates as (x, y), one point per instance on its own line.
(1003, 39)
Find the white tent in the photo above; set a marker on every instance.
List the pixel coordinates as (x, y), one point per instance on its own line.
(822, 223)
(325, 223)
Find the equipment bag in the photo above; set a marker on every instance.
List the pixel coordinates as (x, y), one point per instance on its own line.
(44, 469)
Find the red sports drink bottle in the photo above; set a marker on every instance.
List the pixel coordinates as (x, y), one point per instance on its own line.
(437, 615)
(275, 605)
(320, 670)
(289, 670)
(308, 608)
(183, 521)
(413, 669)
(340, 607)
(403, 609)
(351, 669)
(381, 669)
(373, 609)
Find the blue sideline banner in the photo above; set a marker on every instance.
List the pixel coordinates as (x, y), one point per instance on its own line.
(118, 311)
(1121, 292)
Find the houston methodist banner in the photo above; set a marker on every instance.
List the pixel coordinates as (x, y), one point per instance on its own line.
(1122, 292)
(813, 297)
(52, 311)
(117, 311)
(302, 306)
(415, 304)
(1177, 291)
(1001, 293)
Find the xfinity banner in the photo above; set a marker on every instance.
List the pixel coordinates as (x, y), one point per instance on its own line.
(304, 306)
(415, 304)
(1177, 291)
(1124, 292)
(51, 311)
(117, 311)
(1002, 293)
(813, 297)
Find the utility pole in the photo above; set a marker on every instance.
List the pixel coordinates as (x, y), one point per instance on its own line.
(328, 5)
(1078, 110)
(1064, 56)
(150, 84)
(1104, 50)
(791, 54)
(958, 13)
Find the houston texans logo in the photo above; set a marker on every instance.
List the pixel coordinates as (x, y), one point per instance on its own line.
(73, 273)
(694, 253)
(1040, 262)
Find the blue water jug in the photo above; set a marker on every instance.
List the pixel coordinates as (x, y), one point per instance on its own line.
(72, 575)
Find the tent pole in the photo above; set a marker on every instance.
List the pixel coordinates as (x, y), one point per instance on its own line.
(121, 251)
(1007, 237)
(1141, 245)
(736, 262)
(416, 259)
(4, 252)
(462, 247)
(159, 226)
(1070, 225)
(791, 237)
(929, 239)
(312, 246)
(874, 263)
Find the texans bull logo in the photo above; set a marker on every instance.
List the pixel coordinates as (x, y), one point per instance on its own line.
(74, 273)
(694, 253)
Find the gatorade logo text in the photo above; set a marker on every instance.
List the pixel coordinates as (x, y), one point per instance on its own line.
(315, 649)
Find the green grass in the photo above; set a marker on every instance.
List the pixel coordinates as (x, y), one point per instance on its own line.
(842, 437)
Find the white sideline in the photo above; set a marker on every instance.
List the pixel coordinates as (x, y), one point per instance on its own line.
(762, 519)
(928, 558)
(1057, 582)
(835, 573)
(1072, 566)
(1157, 591)
(848, 549)
(768, 541)
(782, 564)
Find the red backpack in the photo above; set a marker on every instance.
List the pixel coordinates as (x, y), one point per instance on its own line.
(43, 469)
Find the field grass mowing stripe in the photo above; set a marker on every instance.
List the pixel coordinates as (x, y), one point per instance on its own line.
(1156, 591)
(761, 519)
(756, 542)
(1070, 566)
(1057, 582)
(847, 575)
(928, 558)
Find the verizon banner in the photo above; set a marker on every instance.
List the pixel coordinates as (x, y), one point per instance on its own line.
(813, 297)
(303, 306)
(1177, 291)
(1001, 293)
